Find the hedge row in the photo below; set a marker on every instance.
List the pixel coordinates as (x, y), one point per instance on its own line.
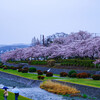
(78, 63)
(74, 74)
(37, 62)
(33, 62)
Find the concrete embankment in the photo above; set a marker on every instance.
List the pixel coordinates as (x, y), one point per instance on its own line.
(88, 90)
(26, 81)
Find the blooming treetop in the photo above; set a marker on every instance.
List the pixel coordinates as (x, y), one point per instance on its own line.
(80, 44)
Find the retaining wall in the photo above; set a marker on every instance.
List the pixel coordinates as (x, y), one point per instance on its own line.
(26, 81)
(88, 90)
(53, 70)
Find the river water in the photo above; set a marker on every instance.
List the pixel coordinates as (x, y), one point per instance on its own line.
(35, 93)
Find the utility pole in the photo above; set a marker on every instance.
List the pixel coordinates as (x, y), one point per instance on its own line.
(43, 40)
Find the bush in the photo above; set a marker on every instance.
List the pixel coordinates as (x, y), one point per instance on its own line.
(8, 67)
(1, 66)
(40, 73)
(26, 68)
(96, 77)
(44, 72)
(24, 71)
(37, 62)
(77, 62)
(32, 69)
(73, 75)
(63, 74)
(20, 66)
(14, 68)
(41, 77)
(4, 67)
(89, 75)
(1, 63)
(71, 72)
(51, 63)
(20, 70)
(82, 75)
(49, 74)
(11, 67)
(58, 88)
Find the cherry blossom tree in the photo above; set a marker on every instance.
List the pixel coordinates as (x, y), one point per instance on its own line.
(80, 44)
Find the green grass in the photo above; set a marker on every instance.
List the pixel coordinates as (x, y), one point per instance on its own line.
(26, 75)
(11, 96)
(88, 82)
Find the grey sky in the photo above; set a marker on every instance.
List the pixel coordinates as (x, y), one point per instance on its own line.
(20, 20)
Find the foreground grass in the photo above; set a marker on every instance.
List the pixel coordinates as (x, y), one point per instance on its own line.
(88, 82)
(11, 96)
(58, 88)
(26, 75)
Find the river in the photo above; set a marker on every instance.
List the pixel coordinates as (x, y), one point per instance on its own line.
(34, 93)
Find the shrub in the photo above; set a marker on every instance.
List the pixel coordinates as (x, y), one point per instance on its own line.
(51, 63)
(82, 75)
(4, 67)
(24, 71)
(20, 70)
(73, 75)
(44, 72)
(26, 68)
(49, 74)
(40, 73)
(96, 77)
(14, 68)
(8, 67)
(1, 66)
(41, 77)
(1, 63)
(37, 62)
(89, 75)
(32, 69)
(71, 72)
(77, 62)
(58, 88)
(63, 74)
(20, 66)
(85, 96)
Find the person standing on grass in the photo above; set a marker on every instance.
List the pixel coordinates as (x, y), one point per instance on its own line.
(16, 91)
(5, 94)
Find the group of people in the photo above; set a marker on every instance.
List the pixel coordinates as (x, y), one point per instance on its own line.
(15, 91)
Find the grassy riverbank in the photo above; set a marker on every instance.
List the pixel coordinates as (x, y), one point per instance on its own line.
(88, 82)
(11, 96)
(26, 75)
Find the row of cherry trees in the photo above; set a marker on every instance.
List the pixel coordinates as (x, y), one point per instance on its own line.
(80, 44)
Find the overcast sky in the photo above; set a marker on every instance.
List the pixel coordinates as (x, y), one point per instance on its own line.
(21, 20)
